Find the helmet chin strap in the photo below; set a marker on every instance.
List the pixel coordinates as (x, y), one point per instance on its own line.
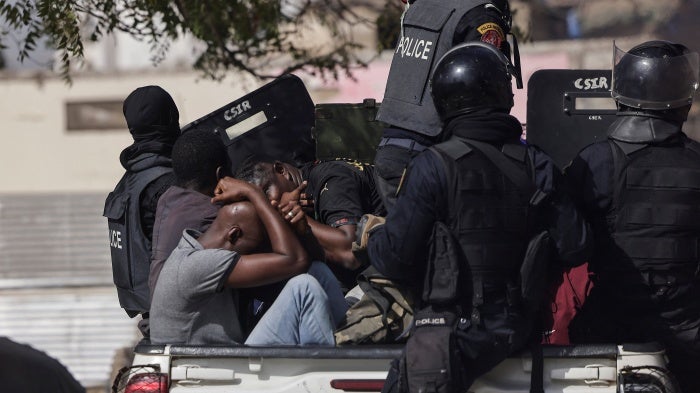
(516, 63)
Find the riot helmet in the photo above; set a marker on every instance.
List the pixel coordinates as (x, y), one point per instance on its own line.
(655, 75)
(469, 77)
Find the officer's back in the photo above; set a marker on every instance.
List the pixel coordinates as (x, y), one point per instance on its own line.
(480, 183)
(153, 122)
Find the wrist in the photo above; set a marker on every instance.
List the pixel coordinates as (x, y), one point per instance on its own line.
(255, 195)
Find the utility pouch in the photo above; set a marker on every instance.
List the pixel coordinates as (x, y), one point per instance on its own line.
(383, 315)
(431, 359)
(533, 271)
(443, 273)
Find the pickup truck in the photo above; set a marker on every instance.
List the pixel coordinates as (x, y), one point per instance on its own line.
(345, 130)
(629, 368)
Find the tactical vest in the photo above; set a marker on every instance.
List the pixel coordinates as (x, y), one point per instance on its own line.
(427, 33)
(489, 218)
(655, 220)
(129, 246)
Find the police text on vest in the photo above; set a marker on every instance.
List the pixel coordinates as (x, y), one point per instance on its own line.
(412, 47)
(115, 239)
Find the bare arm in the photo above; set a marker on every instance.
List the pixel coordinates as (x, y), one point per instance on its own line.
(336, 242)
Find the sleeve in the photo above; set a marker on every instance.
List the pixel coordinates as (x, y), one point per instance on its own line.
(339, 194)
(149, 201)
(399, 248)
(206, 272)
(482, 24)
(589, 179)
(567, 227)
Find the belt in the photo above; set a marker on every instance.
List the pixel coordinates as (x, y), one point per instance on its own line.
(408, 144)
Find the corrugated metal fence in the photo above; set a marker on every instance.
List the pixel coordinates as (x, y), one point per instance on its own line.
(56, 290)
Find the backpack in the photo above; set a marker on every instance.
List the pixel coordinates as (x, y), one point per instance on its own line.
(384, 314)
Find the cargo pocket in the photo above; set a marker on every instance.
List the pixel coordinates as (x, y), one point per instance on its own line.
(432, 364)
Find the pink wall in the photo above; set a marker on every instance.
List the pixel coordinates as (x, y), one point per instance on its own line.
(370, 82)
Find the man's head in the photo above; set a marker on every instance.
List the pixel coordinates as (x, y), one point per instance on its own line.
(237, 227)
(657, 78)
(151, 114)
(273, 177)
(470, 77)
(197, 155)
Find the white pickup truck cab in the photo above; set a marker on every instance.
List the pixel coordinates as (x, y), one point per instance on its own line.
(630, 368)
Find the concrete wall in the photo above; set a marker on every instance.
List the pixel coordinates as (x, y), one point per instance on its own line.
(39, 155)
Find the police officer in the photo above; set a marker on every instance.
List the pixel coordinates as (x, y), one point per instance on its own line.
(153, 121)
(640, 190)
(429, 28)
(470, 183)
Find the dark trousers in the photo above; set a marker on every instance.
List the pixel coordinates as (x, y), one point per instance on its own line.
(390, 163)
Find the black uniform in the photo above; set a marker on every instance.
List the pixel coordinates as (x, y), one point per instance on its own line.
(430, 28)
(640, 190)
(492, 215)
(342, 190)
(153, 121)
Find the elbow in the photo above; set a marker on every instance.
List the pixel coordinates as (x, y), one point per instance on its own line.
(576, 256)
(344, 258)
(300, 263)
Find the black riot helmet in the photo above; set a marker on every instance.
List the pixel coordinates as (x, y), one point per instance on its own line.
(655, 76)
(469, 77)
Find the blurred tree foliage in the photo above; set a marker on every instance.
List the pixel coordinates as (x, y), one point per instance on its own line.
(244, 35)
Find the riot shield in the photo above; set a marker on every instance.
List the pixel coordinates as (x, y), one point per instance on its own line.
(568, 110)
(347, 131)
(272, 122)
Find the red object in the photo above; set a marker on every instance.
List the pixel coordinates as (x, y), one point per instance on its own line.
(492, 37)
(358, 385)
(147, 383)
(569, 292)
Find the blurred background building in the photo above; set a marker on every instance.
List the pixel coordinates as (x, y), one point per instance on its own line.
(60, 148)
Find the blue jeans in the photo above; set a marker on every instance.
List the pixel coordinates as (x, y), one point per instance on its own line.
(336, 300)
(300, 316)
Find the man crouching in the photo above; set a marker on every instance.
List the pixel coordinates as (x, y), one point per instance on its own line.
(195, 301)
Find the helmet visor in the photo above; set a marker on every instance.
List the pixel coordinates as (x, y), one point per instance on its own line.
(654, 82)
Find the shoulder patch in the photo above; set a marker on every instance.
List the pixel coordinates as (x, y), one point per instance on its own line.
(491, 33)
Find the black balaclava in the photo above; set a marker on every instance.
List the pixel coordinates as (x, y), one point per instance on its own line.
(150, 113)
(153, 121)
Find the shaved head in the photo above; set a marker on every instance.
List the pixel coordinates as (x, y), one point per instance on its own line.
(238, 228)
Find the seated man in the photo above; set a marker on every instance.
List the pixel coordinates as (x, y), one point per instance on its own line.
(342, 191)
(197, 155)
(248, 245)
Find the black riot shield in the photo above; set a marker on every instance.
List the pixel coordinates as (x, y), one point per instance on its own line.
(567, 110)
(347, 131)
(272, 122)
